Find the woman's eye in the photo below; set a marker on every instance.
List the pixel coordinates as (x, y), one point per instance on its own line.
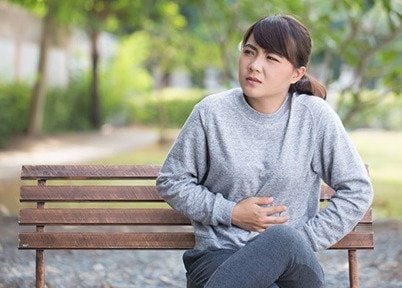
(272, 58)
(247, 52)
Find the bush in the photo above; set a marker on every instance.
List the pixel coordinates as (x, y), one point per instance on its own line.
(68, 109)
(14, 110)
(177, 105)
(125, 77)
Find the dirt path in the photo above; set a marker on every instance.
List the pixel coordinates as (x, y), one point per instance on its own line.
(71, 148)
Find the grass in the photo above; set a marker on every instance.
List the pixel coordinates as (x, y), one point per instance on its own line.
(154, 154)
(382, 152)
(379, 149)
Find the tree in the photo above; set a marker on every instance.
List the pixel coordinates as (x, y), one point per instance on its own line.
(54, 15)
(115, 16)
(361, 38)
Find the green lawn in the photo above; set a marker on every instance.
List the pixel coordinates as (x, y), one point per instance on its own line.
(381, 150)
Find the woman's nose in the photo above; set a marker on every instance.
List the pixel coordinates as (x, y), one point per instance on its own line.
(255, 65)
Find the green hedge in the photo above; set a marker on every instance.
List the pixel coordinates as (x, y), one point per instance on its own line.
(14, 110)
(67, 109)
(177, 105)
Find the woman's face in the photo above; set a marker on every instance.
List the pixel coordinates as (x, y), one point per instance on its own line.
(265, 75)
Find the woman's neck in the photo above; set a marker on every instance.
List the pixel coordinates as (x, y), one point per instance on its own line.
(266, 105)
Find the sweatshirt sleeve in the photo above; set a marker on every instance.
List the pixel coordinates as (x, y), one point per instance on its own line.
(339, 165)
(181, 178)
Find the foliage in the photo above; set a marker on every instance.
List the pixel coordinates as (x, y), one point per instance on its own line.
(14, 107)
(384, 113)
(67, 109)
(168, 38)
(125, 77)
(362, 37)
(178, 104)
(220, 26)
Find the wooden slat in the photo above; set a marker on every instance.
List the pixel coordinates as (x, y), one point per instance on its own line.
(146, 240)
(101, 216)
(356, 240)
(89, 171)
(99, 193)
(116, 240)
(89, 193)
(108, 172)
(367, 218)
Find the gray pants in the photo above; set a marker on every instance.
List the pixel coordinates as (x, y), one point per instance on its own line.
(278, 257)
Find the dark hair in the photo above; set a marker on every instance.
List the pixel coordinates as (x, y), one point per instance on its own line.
(287, 37)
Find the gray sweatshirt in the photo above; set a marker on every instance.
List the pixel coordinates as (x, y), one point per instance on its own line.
(227, 151)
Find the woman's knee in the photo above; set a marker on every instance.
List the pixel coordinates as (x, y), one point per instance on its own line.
(301, 257)
(289, 241)
(287, 235)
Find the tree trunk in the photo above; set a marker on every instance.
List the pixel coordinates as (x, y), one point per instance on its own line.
(38, 92)
(163, 118)
(95, 113)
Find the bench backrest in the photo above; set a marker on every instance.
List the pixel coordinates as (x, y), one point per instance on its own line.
(120, 208)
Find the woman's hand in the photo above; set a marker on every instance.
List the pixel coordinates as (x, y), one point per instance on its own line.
(254, 214)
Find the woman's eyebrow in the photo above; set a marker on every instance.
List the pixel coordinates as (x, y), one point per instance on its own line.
(251, 46)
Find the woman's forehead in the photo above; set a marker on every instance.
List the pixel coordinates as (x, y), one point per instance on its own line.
(252, 43)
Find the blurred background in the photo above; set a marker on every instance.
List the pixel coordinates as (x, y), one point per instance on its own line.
(112, 81)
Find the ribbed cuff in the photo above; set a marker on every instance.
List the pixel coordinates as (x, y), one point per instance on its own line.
(222, 212)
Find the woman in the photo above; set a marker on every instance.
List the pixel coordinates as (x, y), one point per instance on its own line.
(247, 166)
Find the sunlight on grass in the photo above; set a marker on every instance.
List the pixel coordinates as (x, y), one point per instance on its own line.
(382, 152)
(154, 154)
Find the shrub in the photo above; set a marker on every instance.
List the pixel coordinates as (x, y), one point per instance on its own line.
(176, 104)
(125, 77)
(14, 110)
(68, 109)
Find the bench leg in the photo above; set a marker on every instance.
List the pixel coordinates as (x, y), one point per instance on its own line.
(353, 269)
(40, 269)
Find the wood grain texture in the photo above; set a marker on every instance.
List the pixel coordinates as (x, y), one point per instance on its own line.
(101, 216)
(89, 172)
(84, 193)
(356, 240)
(99, 240)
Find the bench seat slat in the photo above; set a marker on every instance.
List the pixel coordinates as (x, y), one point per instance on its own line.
(367, 218)
(99, 240)
(101, 216)
(96, 193)
(145, 240)
(89, 171)
(89, 193)
(356, 240)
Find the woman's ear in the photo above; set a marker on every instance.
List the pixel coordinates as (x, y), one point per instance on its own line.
(298, 74)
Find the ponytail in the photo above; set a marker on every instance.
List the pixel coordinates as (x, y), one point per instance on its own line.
(309, 85)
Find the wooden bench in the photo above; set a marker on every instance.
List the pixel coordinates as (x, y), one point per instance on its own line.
(159, 227)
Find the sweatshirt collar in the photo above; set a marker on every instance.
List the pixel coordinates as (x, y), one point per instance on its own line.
(254, 115)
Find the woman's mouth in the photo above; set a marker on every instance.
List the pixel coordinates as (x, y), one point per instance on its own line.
(253, 80)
